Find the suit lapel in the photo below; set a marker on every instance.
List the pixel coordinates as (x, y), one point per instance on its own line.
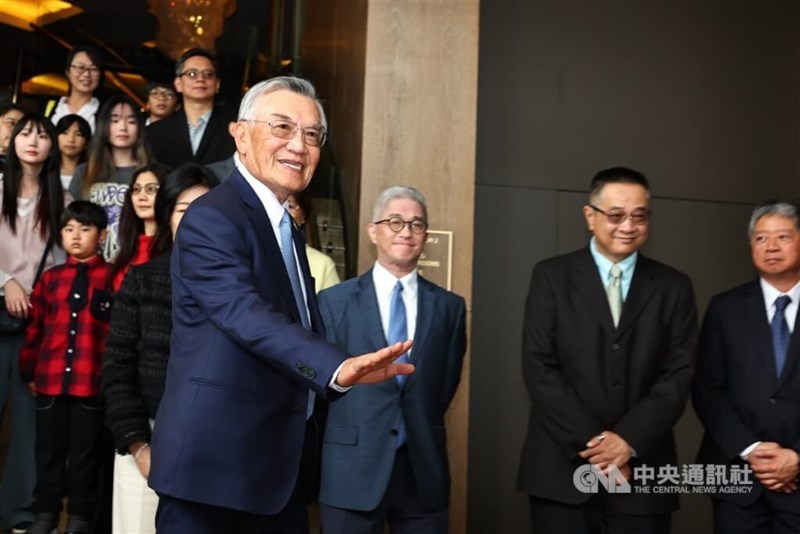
(367, 303)
(757, 315)
(182, 140)
(208, 134)
(590, 289)
(640, 292)
(263, 228)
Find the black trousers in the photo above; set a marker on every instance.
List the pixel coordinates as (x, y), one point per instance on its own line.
(597, 516)
(67, 432)
(758, 518)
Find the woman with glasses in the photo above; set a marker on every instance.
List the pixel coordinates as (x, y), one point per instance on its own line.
(116, 150)
(84, 70)
(137, 350)
(137, 223)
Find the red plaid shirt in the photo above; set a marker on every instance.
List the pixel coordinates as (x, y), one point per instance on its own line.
(63, 351)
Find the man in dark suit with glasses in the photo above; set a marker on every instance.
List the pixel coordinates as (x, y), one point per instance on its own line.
(608, 345)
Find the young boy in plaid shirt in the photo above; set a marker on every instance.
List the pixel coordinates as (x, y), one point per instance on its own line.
(61, 362)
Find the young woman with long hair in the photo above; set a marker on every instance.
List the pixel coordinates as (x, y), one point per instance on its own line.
(31, 202)
(117, 149)
(137, 223)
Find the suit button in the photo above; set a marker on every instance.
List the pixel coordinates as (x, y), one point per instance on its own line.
(393, 432)
(310, 373)
(773, 402)
(615, 346)
(299, 366)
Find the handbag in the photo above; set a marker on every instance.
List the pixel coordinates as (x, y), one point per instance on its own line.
(10, 325)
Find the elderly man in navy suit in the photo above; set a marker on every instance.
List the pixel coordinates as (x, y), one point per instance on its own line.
(248, 357)
(384, 451)
(747, 387)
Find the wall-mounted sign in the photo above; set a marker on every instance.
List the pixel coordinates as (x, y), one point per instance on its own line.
(436, 262)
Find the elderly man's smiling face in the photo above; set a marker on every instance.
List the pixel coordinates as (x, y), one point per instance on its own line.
(283, 165)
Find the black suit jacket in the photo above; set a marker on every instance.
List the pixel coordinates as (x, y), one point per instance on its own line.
(736, 392)
(585, 376)
(169, 139)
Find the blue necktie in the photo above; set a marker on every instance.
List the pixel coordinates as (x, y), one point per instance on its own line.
(398, 331)
(287, 251)
(780, 332)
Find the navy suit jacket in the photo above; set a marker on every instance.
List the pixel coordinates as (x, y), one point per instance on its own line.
(230, 427)
(360, 436)
(169, 139)
(737, 393)
(585, 376)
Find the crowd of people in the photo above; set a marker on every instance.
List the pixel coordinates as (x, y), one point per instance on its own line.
(229, 394)
(90, 199)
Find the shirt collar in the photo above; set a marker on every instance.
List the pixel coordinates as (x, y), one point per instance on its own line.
(94, 261)
(604, 264)
(274, 208)
(203, 119)
(771, 293)
(385, 281)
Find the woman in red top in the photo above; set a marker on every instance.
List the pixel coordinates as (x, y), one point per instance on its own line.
(137, 223)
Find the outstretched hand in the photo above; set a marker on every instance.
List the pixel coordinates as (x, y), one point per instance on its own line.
(375, 366)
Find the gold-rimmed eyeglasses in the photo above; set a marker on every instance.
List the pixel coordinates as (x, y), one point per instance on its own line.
(283, 129)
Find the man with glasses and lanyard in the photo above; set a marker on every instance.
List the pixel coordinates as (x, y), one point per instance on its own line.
(198, 132)
(384, 456)
(609, 339)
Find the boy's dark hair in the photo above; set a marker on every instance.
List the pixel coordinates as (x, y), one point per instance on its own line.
(85, 212)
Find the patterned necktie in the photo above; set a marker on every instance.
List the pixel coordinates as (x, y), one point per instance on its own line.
(78, 292)
(398, 331)
(614, 293)
(287, 251)
(780, 332)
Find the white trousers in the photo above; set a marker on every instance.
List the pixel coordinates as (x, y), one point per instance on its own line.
(134, 503)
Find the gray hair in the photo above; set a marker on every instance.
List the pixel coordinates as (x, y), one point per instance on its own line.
(280, 83)
(395, 192)
(774, 208)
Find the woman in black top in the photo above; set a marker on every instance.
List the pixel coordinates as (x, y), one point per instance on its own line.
(137, 350)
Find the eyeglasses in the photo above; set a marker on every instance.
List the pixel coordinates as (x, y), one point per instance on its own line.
(193, 74)
(638, 217)
(162, 93)
(80, 69)
(396, 225)
(150, 189)
(313, 136)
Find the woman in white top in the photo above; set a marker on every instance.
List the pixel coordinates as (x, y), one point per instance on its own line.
(31, 202)
(84, 70)
(74, 134)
